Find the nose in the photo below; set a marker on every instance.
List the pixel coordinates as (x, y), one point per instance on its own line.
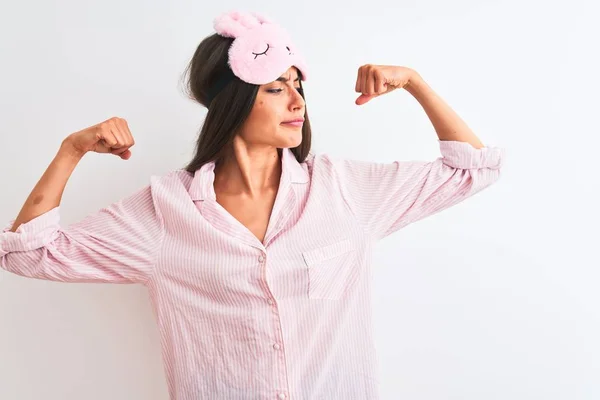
(297, 101)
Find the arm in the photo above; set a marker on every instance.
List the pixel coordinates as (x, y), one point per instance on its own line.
(117, 244)
(384, 197)
(47, 193)
(447, 124)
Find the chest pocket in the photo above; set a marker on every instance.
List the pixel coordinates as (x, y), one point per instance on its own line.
(331, 269)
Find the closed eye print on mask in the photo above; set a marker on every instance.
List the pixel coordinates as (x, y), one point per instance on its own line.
(265, 52)
(259, 54)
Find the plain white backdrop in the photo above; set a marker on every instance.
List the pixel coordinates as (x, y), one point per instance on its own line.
(495, 298)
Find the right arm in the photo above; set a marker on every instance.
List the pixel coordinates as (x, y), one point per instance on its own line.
(47, 193)
(117, 244)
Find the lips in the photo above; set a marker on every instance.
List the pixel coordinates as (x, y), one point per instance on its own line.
(297, 120)
(295, 123)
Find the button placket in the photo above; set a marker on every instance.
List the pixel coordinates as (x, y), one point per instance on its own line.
(276, 346)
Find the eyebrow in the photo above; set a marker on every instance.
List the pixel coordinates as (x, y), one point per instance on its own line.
(282, 79)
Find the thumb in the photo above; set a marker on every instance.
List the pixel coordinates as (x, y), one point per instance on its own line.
(125, 155)
(363, 98)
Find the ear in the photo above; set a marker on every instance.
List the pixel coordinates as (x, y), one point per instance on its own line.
(234, 23)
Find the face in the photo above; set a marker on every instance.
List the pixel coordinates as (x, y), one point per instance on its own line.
(276, 104)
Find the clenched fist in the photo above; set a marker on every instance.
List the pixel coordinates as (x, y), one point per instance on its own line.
(111, 136)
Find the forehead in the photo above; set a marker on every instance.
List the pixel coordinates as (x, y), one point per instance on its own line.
(291, 73)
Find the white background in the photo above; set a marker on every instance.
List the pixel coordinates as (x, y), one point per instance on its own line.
(495, 298)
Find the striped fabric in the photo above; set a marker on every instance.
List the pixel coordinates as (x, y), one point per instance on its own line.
(288, 318)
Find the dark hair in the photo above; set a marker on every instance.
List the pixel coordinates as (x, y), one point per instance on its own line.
(229, 109)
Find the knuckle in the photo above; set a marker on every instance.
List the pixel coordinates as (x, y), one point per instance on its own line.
(102, 129)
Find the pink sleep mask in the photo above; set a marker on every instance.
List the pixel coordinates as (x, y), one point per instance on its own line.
(262, 49)
(260, 52)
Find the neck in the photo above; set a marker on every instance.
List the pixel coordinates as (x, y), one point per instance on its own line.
(250, 172)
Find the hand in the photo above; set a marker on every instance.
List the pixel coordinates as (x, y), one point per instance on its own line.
(111, 136)
(375, 80)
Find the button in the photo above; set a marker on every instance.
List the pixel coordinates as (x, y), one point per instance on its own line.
(282, 395)
(276, 346)
(261, 258)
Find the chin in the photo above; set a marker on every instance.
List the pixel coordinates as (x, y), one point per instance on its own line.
(291, 141)
(296, 143)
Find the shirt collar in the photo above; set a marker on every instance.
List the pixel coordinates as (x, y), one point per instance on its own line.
(202, 186)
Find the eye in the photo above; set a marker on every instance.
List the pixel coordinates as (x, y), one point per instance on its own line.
(275, 91)
(264, 52)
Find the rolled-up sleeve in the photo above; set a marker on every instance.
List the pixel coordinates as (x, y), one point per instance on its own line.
(384, 197)
(117, 244)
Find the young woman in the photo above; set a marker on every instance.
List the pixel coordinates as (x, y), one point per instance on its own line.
(257, 254)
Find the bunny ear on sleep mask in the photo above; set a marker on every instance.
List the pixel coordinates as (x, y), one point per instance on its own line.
(260, 52)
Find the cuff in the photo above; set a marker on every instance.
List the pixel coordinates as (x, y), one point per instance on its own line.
(463, 155)
(31, 235)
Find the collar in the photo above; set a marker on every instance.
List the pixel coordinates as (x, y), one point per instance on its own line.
(202, 186)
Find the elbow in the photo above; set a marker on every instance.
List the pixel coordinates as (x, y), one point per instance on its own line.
(28, 264)
(13, 263)
(479, 179)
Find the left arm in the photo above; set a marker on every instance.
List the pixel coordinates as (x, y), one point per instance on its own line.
(446, 122)
(384, 197)
(376, 80)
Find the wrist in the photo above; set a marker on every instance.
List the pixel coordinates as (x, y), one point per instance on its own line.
(417, 85)
(69, 151)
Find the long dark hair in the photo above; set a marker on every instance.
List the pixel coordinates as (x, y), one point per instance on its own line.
(229, 109)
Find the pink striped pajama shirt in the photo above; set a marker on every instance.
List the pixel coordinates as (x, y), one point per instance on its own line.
(239, 319)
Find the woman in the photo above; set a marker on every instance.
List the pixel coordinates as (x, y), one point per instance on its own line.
(257, 254)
